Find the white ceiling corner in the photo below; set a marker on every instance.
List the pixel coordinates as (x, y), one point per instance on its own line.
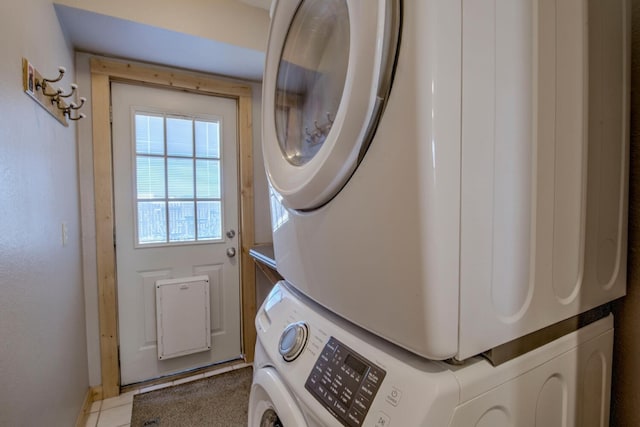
(110, 36)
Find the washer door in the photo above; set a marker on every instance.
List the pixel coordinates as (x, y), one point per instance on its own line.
(270, 404)
(328, 73)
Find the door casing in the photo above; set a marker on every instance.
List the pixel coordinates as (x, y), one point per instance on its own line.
(102, 73)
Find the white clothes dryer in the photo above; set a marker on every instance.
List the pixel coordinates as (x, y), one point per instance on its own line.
(450, 175)
(312, 368)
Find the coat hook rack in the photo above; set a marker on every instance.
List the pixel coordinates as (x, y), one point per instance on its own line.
(41, 90)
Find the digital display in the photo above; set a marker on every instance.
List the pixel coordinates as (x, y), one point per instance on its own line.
(355, 364)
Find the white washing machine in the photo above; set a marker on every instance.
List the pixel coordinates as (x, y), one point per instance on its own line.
(314, 369)
(450, 175)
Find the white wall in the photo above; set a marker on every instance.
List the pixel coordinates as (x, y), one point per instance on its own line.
(89, 270)
(43, 351)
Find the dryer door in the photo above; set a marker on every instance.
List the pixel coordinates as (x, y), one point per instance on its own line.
(328, 74)
(270, 404)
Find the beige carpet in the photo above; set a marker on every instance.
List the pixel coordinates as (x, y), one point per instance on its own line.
(221, 400)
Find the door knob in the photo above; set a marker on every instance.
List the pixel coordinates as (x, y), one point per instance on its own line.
(231, 234)
(231, 252)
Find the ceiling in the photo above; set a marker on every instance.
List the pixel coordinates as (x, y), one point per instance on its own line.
(86, 30)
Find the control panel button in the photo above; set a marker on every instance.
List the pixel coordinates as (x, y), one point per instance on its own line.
(313, 379)
(355, 417)
(394, 396)
(341, 408)
(374, 376)
(330, 399)
(361, 403)
(382, 420)
(368, 389)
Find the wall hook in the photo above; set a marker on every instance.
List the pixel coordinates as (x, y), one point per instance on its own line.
(43, 88)
(53, 100)
(75, 106)
(68, 114)
(61, 70)
(74, 87)
(42, 83)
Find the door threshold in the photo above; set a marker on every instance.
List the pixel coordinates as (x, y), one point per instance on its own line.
(185, 376)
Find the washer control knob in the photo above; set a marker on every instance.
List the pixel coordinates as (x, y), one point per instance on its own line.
(293, 341)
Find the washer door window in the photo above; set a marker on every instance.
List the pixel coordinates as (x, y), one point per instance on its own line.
(270, 419)
(271, 404)
(327, 76)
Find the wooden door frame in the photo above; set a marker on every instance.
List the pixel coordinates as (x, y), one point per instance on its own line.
(103, 72)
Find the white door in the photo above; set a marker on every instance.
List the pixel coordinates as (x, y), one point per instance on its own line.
(176, 216)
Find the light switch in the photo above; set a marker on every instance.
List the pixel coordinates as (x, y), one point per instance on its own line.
(65, 234)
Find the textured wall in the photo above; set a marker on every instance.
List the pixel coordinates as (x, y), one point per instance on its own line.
(43, 355)
(625, 405)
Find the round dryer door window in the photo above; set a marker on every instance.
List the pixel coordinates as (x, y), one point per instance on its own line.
(310, 79)
(328, 74)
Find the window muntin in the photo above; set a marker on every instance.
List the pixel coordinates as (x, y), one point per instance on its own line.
(177, 179)
(311, 77)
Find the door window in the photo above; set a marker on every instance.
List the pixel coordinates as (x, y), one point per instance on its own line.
(178, 186)
(311, 77)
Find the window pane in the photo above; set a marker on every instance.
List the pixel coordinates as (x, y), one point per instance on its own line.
(181, 222)
(209, 220)
(208, 139)
(149, 135)
(152, 222)
(150, 177)
(179, 137)
(208, 179)
(180, 178)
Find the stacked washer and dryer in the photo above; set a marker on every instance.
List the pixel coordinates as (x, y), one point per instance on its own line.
(449, 210)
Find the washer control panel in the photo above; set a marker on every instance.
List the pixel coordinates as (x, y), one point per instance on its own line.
(344, 382)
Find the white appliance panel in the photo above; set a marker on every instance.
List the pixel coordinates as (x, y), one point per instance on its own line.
(565, 382)
(370, 254)
(535, 205)
(492, 200)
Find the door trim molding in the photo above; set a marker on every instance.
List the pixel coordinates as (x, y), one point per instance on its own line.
(103, 72)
